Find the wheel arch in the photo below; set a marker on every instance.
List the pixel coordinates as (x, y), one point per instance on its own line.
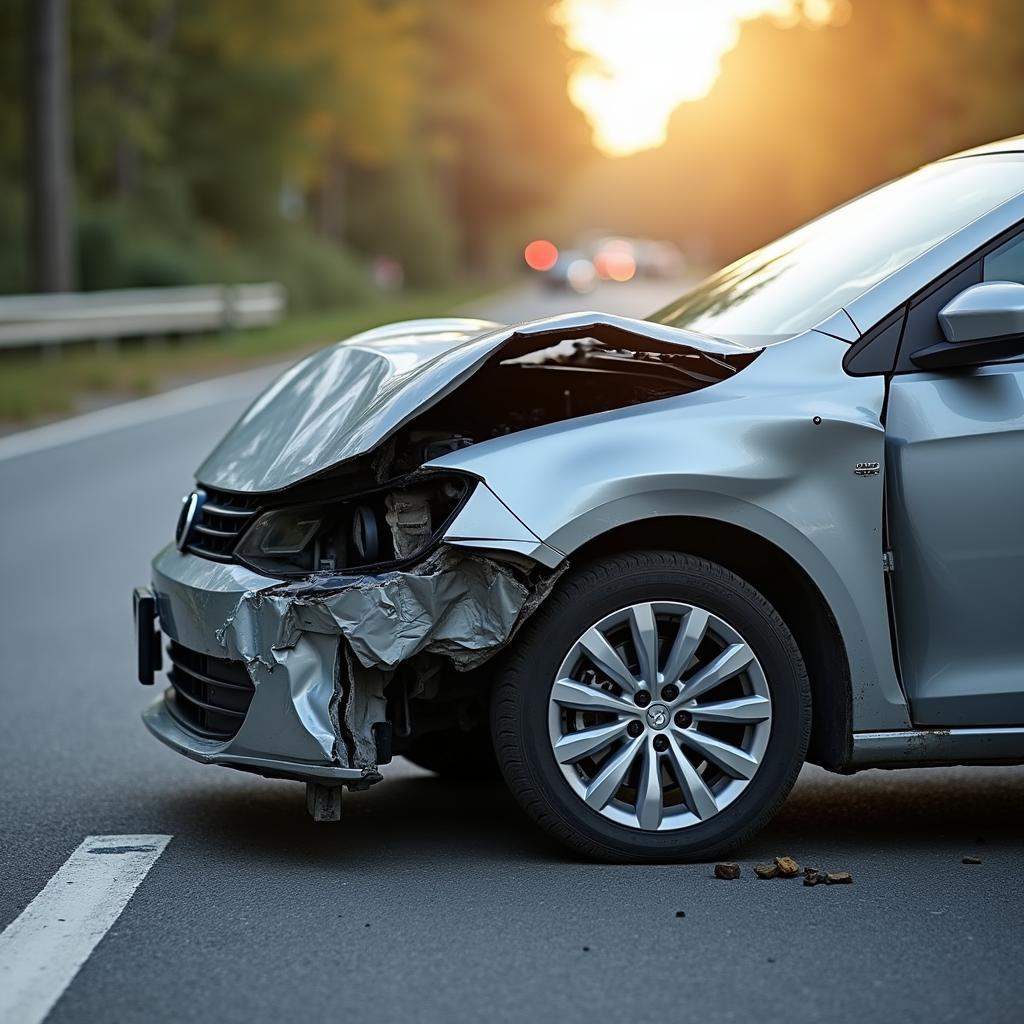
(786, 585)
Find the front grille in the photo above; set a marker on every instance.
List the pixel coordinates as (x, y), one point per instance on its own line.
(220, 520)
(208, 696)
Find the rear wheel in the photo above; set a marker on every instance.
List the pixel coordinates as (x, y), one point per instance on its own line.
(655, 708)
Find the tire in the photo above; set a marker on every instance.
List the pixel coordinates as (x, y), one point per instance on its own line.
(527, 719)
(455, 754)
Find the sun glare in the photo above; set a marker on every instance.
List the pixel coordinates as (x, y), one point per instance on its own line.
(645, 57)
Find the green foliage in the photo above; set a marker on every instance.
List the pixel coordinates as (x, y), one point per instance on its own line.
(498, 118)
(123, 82)
(317, 273)
(401, 214)
(295, 139)
(13, 276)
(119, 248)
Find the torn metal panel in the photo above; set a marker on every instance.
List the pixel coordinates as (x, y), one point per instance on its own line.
(459, 605)
(361, 704)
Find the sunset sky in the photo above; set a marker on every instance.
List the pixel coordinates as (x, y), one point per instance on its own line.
(645, 57)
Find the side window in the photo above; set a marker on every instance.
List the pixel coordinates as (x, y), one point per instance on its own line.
(1007, 262)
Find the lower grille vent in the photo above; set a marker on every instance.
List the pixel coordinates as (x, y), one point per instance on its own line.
(209, 696)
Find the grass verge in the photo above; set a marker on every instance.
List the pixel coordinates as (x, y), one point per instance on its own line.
(36, 386)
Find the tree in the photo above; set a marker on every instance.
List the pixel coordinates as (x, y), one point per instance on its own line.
(49, 148)
(498, 121)
(802, 118)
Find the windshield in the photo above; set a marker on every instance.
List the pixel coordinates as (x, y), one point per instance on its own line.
(796, 282)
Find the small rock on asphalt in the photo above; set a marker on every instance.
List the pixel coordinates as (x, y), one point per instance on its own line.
(766, 870)
(838, 878)
(728, 871)
(788, 868)
(970, 860)
(680, 913)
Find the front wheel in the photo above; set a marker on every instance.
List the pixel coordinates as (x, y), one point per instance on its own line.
(656, 708)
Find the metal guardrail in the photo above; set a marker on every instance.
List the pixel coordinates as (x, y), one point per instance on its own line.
(42, 320)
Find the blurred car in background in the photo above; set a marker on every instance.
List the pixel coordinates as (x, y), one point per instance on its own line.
(605, 258)
(572, 270)
(657, 258)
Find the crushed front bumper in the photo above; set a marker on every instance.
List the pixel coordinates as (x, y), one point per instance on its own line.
(287, 728)
(320, 651)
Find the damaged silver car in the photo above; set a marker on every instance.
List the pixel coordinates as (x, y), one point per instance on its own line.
(648, 568)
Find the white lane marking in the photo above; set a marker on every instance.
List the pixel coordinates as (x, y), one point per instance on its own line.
(43, 948)
(142, 410)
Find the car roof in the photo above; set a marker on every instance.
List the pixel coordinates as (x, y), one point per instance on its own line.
(1014, 144)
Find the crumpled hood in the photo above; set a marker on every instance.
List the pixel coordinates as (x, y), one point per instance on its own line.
(344, 400)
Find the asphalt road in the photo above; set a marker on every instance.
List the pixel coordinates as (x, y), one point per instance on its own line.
(433, 900)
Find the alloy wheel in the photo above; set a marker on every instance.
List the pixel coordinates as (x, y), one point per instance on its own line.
(659, 715)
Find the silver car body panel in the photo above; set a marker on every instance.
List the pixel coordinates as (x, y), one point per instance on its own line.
(746, 452)
(955, 453)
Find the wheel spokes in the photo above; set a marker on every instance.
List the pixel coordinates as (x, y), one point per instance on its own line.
(649, 797)
(575, 746)
(607, 659)
(696, 793)
(607, 781)
(570, 694)
(688, 638)
(732, 760)
(733, 660)
(741, 711)
(644, 628)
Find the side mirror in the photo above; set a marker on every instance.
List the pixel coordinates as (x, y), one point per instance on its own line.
(983, 324)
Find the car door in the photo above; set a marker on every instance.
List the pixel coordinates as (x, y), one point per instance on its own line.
(955, 511)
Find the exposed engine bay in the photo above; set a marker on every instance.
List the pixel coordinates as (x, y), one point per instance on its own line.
(531, 382)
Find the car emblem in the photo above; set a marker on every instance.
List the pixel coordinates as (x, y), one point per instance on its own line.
(657, 716)
(866, 469)
(191, 504)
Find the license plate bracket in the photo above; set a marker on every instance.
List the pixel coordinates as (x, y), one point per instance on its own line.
(147, 635)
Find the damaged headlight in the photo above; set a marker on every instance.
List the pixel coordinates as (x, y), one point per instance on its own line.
(366, 531)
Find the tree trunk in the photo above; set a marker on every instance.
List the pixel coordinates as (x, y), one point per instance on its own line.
(49, 148)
